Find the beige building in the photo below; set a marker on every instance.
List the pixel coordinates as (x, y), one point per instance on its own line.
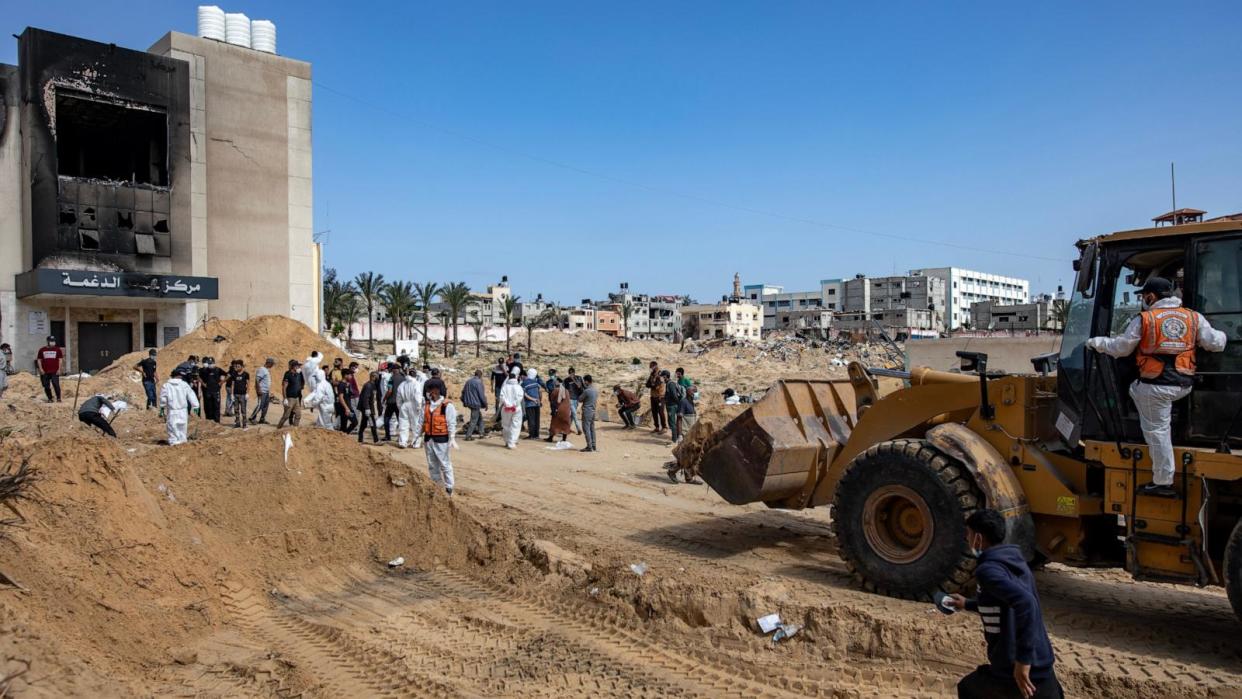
(727, 319)
(144, 192)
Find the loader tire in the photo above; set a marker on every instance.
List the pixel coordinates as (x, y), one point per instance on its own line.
(899, 514)
(1233, 569)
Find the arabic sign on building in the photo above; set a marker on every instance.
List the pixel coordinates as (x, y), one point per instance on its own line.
(134, 284)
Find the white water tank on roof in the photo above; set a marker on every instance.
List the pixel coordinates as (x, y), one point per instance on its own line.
(237, 29)
(211, 24)
(263, 35)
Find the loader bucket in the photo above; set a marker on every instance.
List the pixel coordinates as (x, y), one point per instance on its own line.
(770, 452)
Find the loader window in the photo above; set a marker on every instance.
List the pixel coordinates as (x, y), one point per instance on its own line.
(1218, 296)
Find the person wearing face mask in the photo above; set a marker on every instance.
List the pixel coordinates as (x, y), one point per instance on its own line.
(1020, 657)
(48, 359)
(1165, 336)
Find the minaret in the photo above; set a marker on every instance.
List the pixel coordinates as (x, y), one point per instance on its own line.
(737, 285)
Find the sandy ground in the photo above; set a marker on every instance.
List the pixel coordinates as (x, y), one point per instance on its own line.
(220, 569)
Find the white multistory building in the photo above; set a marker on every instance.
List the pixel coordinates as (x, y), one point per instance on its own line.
(963, 287)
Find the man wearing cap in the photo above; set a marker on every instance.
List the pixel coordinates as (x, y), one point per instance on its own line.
(48, 359)
(1163, 338)
(291, 389)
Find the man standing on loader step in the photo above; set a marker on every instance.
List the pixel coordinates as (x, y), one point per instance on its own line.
(1165, 335)
(1020, 656)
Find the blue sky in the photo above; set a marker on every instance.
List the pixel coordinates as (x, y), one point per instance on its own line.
(574, 145)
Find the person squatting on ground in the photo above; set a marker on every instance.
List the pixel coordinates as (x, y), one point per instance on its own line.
(291, 385)
(1020, 657)
(148, 368)
(1165, 336)
(263, 391)
(627, 406)
(344, 405)
(474, 397)
(588, 398)
(48, 360)
(321, 400)
(512, 398)
(176, 400)
(91, 413)
(410, 401)
(655, 384)
(440, 432)
(368, 407)
(532, 391)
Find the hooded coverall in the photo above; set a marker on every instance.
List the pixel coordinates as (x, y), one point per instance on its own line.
(176, 399)
(322, 400)
(510, 401)
(1155, 401)
(410, 410)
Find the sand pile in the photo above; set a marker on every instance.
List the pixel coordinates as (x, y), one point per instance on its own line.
(123, 554)
(690, 449)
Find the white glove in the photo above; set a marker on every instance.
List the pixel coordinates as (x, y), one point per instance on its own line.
(453, 444)
(285, 403)
(1094, 343)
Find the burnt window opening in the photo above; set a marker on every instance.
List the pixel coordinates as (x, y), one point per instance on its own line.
(125, 220)
(161, 225)
(68, 215)
(102, 140)
(88, 240)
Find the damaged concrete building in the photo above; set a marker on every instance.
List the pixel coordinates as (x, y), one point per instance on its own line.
(142, 192)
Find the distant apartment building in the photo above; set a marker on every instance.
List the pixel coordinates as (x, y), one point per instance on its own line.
(1021, 317)
(608, 322)
(805, 321)
(963, 287)
(729, 319)
(650, 317)
(580, 318)
(778, 303)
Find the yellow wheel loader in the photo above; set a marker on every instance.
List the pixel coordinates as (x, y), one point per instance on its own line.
(904, 456)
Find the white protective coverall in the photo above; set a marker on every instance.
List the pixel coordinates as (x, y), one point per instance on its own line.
(1154, 401)
(439, 460)
(311, 373)
(176, 398)
(410, 410)
(322, 400)
(511, 413)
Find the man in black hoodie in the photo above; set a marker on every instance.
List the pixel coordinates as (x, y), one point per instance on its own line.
(1019, 654)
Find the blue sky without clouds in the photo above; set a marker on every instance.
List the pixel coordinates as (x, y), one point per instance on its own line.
(573, 145)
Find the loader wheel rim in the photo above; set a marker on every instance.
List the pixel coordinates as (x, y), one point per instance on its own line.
(897, 524)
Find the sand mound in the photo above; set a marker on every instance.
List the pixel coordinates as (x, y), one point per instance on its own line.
(690, 449)
(123, 555)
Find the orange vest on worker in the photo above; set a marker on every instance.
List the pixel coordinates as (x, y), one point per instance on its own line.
(435, 422)
(1166, 351)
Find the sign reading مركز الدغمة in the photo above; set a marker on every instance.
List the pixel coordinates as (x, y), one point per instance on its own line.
(132, 284)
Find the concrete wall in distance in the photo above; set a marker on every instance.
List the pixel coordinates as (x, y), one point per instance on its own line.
(1008, 354)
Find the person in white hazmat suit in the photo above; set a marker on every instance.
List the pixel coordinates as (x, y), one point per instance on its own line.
(309, 368)
(410, 402)
(1163, 339)
(323, 400)
(176, 400)
(440, 430)
(511, 397)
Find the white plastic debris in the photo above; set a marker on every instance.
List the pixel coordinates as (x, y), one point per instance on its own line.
(639, 568)
(288, 446)
(769, 623)
(561, 446)
(396, 562)
(785, 631)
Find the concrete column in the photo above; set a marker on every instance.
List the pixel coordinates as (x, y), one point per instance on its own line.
(142, 331)
(68, 341)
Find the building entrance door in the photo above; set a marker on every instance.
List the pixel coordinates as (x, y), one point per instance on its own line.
(99, 344)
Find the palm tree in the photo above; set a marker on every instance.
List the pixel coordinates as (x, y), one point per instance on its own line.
(334, 294)
(455, 294)
(477, 324)
(352, 307)
(627, 309)
(444, 316)
(547, 316)
(1059, 314)
(394, 298)
(369, 286)
(509, 308)
(425, 295)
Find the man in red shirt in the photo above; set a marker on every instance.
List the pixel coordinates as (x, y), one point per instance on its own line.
(48, 359)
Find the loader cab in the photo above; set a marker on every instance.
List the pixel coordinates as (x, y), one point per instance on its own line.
(1203, 262)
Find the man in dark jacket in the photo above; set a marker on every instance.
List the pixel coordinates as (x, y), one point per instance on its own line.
(368, 407)
(474, 396)
(1020, 656)
(673, 394)
(211, 378)
(655, 384)
(91, 413)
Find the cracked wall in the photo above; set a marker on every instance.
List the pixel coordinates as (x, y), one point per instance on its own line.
(102, 183)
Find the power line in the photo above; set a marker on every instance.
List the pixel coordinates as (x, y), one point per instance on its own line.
(674, 193)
